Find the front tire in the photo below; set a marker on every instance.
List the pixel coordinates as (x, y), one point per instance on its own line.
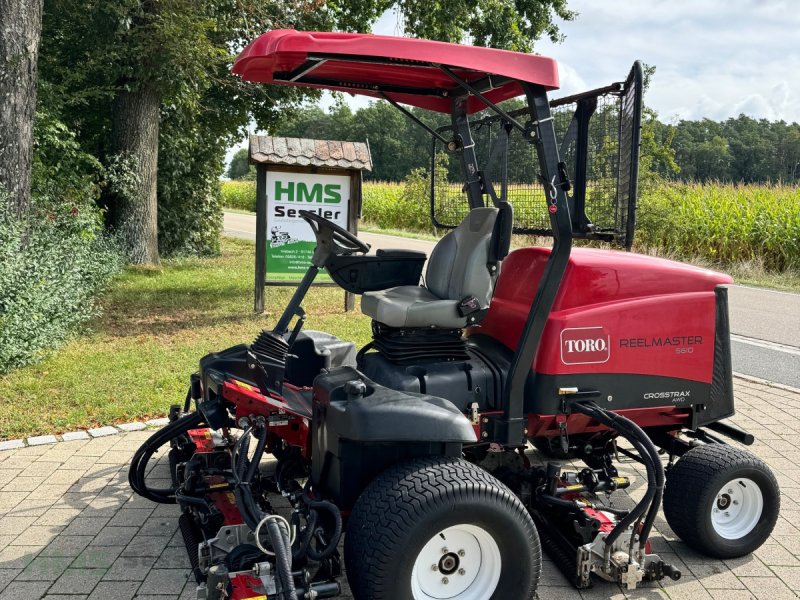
(721, 500)
(437, 528)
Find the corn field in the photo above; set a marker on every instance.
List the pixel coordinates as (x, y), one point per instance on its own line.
(719, 223)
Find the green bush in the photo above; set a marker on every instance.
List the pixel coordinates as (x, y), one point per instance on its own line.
(60, 167)
(239, 194)
(52, 267)
(54, 262)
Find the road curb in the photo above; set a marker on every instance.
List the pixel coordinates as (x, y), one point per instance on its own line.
(88, 434)
(754, 379)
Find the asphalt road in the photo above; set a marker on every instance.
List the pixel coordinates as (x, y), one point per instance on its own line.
(765, 324)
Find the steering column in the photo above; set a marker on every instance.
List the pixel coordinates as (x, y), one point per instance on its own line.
(332, 240)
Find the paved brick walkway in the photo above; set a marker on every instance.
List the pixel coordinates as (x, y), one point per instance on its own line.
(70, 528)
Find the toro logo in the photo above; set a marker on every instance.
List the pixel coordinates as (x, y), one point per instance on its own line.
(585, 345)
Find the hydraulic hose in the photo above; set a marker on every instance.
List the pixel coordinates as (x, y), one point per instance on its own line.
(659, 488)
(283, 558)
(260, 445)
(138, 468)
(639, 440)
(610, 420)
(240, 449)
(658, 472)
(252, 514)
(656, 479)
(323, 505)
(300, 549)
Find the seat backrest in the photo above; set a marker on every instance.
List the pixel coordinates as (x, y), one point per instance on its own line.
(459, 263)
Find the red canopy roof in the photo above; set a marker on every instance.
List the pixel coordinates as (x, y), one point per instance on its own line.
(404, 69)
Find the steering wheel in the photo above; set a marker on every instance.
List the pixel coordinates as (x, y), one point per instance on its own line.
(331, 237)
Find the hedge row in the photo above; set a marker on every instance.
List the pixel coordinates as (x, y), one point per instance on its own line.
(52, 268)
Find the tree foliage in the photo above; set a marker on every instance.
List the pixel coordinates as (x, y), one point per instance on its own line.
(240, 167)
(184, 50)
(509, 24)
(740, 149)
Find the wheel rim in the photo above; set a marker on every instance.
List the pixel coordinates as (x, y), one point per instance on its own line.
(458, 563)
(737, 508)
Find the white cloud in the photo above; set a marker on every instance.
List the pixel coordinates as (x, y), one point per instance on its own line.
(714, 58)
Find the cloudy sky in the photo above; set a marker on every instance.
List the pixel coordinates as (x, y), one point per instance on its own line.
(714, 58)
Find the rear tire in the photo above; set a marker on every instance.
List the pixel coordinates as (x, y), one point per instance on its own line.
(721, 500)
(447, 513)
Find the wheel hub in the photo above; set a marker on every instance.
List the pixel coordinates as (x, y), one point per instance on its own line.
(448, 563)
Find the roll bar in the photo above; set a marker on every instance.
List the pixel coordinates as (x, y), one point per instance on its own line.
(463, 80)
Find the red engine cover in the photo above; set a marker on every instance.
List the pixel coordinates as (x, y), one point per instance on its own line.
(616, 312)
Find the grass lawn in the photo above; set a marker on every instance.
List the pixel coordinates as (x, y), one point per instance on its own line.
(135, 360)
(157, 323)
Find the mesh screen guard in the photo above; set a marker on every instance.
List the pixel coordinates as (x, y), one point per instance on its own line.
(599, 135)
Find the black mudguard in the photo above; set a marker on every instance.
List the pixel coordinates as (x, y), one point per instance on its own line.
(369, 428)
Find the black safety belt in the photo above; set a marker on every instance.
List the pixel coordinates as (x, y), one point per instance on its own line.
(499, 147)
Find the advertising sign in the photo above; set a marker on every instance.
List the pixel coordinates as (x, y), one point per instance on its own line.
(290, 240)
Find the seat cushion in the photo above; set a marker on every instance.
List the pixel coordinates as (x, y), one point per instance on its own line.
(458, 265)
(411, 306)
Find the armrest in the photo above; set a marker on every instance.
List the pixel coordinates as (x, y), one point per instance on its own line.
(359, 274)
(397, 253)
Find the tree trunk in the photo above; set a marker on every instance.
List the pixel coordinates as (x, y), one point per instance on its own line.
(135, 140)
(20, 29)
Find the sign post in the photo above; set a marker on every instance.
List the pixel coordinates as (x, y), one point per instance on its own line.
(293, 175)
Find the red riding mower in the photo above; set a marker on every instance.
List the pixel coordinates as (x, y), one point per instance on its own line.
(415, 446)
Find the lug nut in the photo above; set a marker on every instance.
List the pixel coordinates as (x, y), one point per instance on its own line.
(434, 567)
(726, 514)
(730, 491)
(445, 550)
(461, 553)
(735, 502)
(461, 572)
(445, 580)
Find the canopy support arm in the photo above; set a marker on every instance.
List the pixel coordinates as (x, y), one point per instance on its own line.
(474, 91)
(416, 119)
(583, 113)
(513, 424)
(305, 68)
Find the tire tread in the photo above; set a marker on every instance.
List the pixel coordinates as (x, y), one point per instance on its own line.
(398, 497)
(682, 499)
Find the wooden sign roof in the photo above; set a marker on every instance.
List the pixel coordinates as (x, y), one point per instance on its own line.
(266, 149)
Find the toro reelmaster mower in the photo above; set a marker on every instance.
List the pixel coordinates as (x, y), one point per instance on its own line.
(413, 449)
